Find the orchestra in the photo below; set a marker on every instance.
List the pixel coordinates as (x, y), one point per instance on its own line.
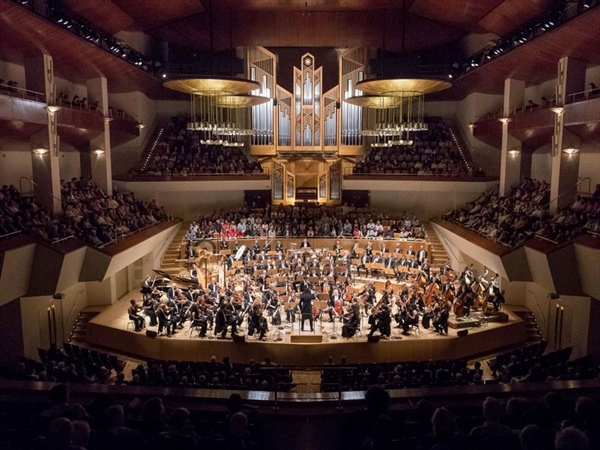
(312, 284)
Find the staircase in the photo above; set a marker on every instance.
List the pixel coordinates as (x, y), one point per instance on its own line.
(533, 331)
(175, 251)
(79, 330)
(437, 253)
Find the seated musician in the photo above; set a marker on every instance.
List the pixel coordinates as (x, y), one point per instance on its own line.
(134, 314)
(199, 318)
(257, 322)
(334, 305)
(163, 315)
(149, 304)
(411, 318)
(305, 243)
(225, 318)
(440, 320)
(381, 321)
(351, 320)
(279, 247)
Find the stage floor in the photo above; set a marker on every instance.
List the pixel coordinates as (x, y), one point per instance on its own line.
(290, 346)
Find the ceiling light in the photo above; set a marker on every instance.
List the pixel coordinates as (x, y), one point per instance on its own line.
(53, 108)
(557, 110)
(505, 120)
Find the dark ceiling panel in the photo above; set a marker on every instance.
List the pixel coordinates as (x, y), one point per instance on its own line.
(105, 14)
(460, 14)
(512, 14)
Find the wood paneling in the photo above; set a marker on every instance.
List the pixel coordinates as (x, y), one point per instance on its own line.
(510, 15)
(104, 14)
(460, 14)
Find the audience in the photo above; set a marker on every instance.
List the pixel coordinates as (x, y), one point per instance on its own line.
(88, 214)
(524, 212)
(433, 153)
(180, 154)
(306, 221)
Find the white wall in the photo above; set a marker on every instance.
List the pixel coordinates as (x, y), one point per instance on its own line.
(14, 72)
(541, 166)
(16, 164)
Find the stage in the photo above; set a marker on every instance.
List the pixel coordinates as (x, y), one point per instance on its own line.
(290, 346)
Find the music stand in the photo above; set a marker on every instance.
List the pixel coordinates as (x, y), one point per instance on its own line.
(334, 334)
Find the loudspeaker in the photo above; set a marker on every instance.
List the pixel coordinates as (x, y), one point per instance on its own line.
(151, 334)
(238, 338)
(373, 339)
(308, 339)
(462, 333)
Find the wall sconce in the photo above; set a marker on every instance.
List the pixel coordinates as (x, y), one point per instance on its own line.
(570, 151)
(99, 151)
(40, 151)
(471, 126)
(53, 108)
(505, 120)
(141, 126)
(514, 152)
(557, 110)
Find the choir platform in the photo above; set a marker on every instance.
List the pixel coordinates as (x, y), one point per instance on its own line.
(111, 329)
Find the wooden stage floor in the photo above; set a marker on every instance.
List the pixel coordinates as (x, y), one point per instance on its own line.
(109, 330)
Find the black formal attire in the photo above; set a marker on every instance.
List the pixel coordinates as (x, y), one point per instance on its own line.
(138, 321)
(306, 299)
(441, 322)
(164, 321)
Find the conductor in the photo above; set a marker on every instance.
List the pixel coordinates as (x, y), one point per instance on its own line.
(306, 299)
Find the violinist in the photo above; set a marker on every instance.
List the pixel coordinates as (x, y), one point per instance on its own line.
(134, 311)
(381, 321)
(199, 318)
(163, 315)
(411, 318)
(149, 304)
(351, 319)
(440, 320)
(257, 322)
(225, 318)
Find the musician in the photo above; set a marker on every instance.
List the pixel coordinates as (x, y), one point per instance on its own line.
(497, 295)
(147, 285)
(306, 299)
(213, 287)
(163, 315)
(410, 251)
(440, 321)
(369, 251)
(199, 318)
(421, 254)
(134, 314)
(351, 320)
(149, 304)
(410, 319)
(334, 305)
(257, 322)
(337, 248)
(267, 246)
(279, 247)
(256, 247)
(273, 309)
(398, 249)
(225, 318)
(381, 320)
(354, 250)
(305, 243)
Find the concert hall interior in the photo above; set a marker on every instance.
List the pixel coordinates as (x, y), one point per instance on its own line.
(379, 216)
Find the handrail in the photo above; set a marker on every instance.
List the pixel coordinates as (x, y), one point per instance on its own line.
(535, 301)
(66, 238)
(152, 148)
(447, 246)
(460, 149)
(589, 180)
(72, 309)
(545, 238)
(36, 184)
(2, 236)
(547, 205)
(25, 94)
(30, 180)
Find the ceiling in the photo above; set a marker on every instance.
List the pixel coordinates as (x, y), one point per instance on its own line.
(310, 23)
(429, 24)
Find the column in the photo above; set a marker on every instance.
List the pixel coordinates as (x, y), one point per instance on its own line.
(565, 145)
(510, 156)
(39, 75)
(96, 160)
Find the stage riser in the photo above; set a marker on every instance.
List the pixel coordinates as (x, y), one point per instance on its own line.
(306, 354)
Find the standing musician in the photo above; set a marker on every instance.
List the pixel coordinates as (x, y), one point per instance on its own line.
(163, 315)
(147, 285)
(335, 304)
(279, 247)
(306, 299)
(134, 314)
